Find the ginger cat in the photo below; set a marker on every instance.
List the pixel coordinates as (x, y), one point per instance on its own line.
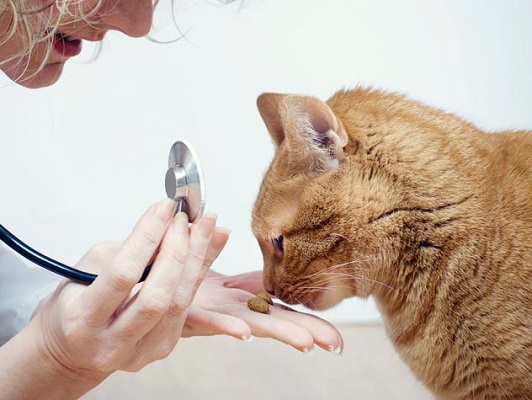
(373, 194)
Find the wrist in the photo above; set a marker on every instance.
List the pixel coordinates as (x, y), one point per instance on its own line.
(49, 353)
(31, 368)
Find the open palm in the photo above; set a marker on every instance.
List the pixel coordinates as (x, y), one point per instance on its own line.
(220, 307)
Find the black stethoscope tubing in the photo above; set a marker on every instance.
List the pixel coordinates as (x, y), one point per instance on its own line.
(184, 179)
(50, 264)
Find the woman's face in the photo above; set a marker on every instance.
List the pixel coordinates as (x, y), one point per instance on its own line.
(132, 17)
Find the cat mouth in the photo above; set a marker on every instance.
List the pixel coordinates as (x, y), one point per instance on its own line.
(313, 302)
(323, 298)
(308, 299)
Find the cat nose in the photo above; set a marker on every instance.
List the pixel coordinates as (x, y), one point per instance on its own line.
(268, 284)
(269, 288)
(270, 291)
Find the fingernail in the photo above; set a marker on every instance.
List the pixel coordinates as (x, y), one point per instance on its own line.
(181, 215)
(334, 350)
(308, 351)
(164, 206)
(223, 229)
(167, 202)
(180, 221)
(207, 224)
(220, 237)
(247, 338)
(210, 214)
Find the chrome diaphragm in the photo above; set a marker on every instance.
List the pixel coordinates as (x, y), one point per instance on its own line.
(184, 181)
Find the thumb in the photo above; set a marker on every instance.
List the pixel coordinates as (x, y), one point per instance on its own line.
(249, 281)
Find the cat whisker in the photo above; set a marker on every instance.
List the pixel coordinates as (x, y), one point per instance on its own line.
(311, 303)
(320, 284)
(338, 270)
(339, 266)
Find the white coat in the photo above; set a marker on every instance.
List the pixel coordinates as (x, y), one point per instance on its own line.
(22, 286)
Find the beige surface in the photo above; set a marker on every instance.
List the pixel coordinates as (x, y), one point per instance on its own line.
(221, 368)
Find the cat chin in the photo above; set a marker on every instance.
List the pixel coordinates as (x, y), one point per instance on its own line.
(326, 300)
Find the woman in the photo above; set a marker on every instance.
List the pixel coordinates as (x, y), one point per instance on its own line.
(81, 334)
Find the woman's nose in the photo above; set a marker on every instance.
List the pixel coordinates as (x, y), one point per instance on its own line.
(131, 17)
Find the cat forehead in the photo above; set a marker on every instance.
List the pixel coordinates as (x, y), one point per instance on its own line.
(276, 208)
(287, 204)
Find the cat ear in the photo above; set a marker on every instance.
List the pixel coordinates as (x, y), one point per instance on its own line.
(268, 105)
(315, 137)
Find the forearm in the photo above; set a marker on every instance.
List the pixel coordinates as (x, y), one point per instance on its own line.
(29, 371)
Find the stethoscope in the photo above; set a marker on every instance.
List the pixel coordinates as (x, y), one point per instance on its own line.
(184, 184)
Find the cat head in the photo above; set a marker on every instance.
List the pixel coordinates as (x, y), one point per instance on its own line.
(311, 214)
(365, 192)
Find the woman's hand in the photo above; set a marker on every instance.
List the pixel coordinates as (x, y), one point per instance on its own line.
(220, 307)
(116, 323)
(81, 334)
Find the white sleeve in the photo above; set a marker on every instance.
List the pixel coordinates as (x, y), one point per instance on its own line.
(22, 286)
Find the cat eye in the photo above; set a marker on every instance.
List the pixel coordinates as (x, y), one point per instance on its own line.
(279, 245)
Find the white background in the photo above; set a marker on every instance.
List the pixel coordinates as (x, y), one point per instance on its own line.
(81, 161)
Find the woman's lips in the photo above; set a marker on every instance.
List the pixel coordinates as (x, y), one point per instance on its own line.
(67, 46)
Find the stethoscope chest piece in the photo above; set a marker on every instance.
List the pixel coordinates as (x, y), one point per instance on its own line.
(184, 184)
(184, 181)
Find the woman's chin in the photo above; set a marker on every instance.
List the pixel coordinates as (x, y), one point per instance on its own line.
(47, 76)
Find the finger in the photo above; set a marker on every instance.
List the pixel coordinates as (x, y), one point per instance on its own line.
(249, 281)
(165, 334)
(114, 284)
(218, 242)
(268, 325)
(201, 322)
(325, 334)
(196, 265)
(98, 256)
(156, 295)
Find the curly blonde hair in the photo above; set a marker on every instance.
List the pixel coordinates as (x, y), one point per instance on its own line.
(26, 19)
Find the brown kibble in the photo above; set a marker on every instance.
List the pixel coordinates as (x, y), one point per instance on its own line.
(258, 304)
(266, 297)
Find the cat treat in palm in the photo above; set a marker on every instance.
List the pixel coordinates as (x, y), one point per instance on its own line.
(264, 296)
(259, 304)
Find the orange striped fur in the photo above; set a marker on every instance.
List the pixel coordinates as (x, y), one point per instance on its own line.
(374, 194)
